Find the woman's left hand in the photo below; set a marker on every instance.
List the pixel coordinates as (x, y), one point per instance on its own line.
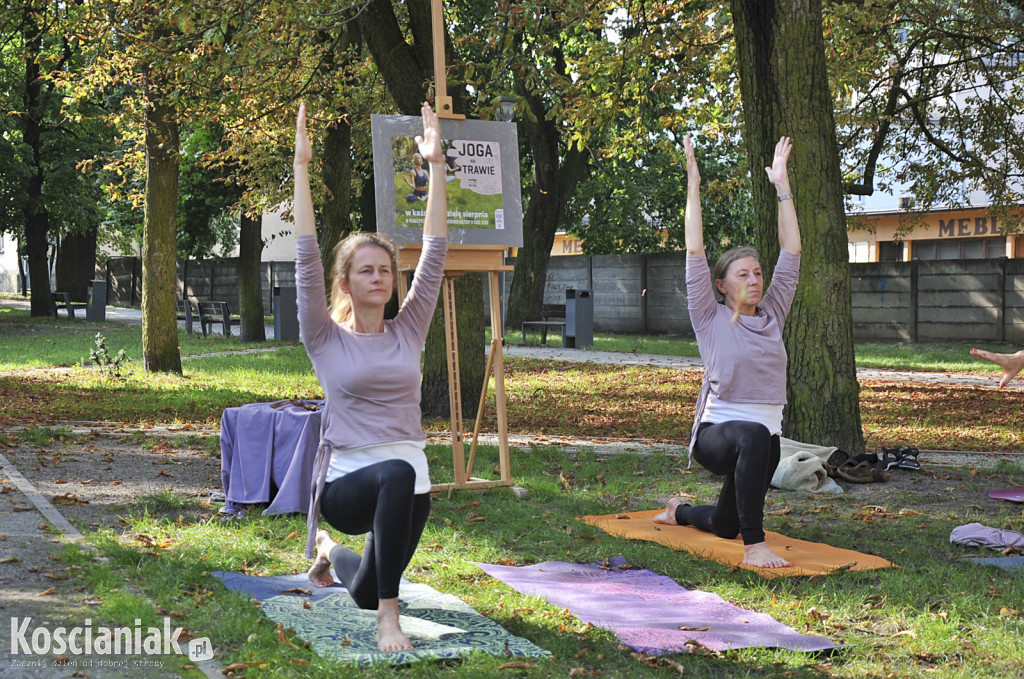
(777, 173)
(430, 141)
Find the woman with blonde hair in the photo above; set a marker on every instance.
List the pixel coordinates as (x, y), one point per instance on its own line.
(370, 474)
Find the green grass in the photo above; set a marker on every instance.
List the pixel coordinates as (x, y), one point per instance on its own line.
(932, 616)
(45, 436)
(47, 342)
(937, 356)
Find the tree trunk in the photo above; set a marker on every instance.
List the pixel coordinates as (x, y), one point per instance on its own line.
(784, 85)
(159, 247)
(434, 401)
(336, 222)
(251, 327)
(37, 218)
(76, 264)
(553, 184)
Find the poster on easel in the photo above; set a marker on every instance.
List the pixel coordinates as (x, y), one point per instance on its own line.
(481, 175)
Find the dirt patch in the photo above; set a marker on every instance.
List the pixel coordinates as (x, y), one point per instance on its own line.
(93, 477)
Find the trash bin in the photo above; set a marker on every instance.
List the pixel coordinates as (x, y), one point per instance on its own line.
(579, 319)
(286, 314)
(96, 307)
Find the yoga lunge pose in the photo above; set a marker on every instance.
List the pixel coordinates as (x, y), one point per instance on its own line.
(1011, 364)
(739, 409)
(370, 474)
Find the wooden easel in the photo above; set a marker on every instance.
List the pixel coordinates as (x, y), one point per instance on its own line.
(461, 260)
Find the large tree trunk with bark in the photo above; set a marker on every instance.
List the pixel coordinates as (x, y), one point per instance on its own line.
(553, 185)
(784, 85)
(408, 70)
(37, 219)
(434, 392)
(336, 223)
(251, 327)
(159, 247)
(76, 264)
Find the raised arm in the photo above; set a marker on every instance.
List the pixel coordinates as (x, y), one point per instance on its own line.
(436, 221)
(778, 174)
(302, 210)
(693, 219)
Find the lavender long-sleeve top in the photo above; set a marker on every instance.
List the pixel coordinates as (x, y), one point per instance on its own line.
(371, 381)
(745, 361)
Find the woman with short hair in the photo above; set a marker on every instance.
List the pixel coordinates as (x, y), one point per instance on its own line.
(739, 410)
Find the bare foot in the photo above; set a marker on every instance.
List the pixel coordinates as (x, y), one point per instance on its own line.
(668, 517)
(1012, 364)
(761, 556)
(390, 636)
(320, 573)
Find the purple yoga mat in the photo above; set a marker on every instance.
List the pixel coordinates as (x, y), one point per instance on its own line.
(1011, 494)
(646, 610)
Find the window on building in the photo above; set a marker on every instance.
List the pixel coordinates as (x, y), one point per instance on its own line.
(859, 251)
(890, 252)
(960, 248)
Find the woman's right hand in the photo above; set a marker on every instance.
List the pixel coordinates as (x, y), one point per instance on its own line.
(303, 151)
(692, 173)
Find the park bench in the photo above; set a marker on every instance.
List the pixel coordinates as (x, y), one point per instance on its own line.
(212, 313)
(552, 317)
(62, 300)
(187, 313)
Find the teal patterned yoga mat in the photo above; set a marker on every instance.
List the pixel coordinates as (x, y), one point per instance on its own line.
(439, 625)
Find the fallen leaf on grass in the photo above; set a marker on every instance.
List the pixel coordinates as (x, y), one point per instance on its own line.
(517, 666)
(291, 536)
(905, 633)
(177, 615)
(9, 559)
(48, 592)
(57, 576)
(164, 472)
(299, 661)
(1007, 612)
(236, 666)
(284, 640)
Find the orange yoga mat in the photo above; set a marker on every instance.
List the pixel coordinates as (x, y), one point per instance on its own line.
(808, 558)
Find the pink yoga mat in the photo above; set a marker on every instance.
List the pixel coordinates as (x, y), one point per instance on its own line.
(1011, 494)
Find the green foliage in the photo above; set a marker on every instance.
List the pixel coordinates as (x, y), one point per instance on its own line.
(111, 365)
(635, 204)
(928, 99)
(205, 197)
(45, 436)
(163, 501)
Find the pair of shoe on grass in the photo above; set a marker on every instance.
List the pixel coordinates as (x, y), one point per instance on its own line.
(872, 468)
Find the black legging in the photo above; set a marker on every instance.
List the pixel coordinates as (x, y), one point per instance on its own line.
(377, 500)
(747, 455)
